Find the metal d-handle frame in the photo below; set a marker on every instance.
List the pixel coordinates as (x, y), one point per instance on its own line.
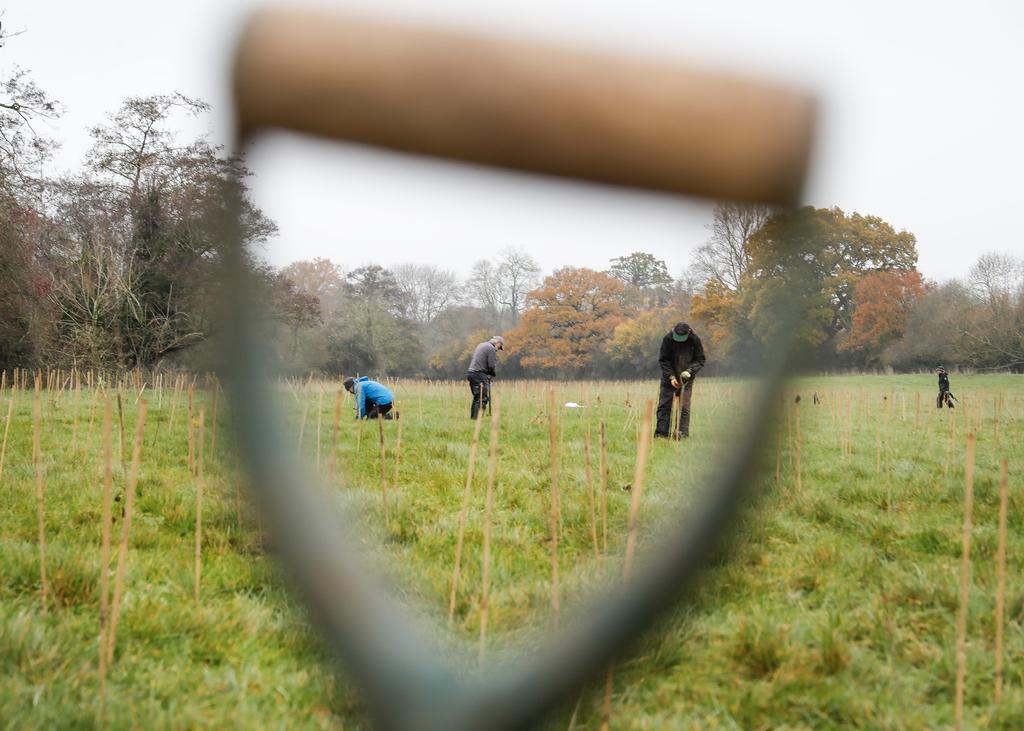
(525, 107)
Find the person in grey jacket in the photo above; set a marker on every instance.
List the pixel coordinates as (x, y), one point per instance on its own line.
(480, 372)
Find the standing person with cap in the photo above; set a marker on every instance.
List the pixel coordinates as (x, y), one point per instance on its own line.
(481, 371)
(945, 395)
(682, 356)
(373, 400)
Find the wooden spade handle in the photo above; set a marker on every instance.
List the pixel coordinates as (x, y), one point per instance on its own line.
(524, 106)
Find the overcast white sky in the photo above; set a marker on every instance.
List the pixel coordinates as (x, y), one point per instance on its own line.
(922, 114)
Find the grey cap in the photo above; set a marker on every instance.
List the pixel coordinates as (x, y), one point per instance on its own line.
(499, 341)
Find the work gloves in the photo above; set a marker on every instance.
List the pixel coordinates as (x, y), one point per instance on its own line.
(685, 375)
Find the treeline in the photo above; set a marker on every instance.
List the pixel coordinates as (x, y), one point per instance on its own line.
(862, 304)
(118, 265)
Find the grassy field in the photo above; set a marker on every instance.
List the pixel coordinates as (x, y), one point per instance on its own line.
(837, 609)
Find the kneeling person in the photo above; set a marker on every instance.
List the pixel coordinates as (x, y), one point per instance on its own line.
(373, 399)
(682, 356)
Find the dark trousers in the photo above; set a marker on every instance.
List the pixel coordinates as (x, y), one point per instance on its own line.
(665, 396)
(944, 398)
(375, 411)
(480, 385)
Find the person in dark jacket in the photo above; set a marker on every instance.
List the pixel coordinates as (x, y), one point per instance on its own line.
(681, 358)
(480, 372)
(945, 396)
(373, 399)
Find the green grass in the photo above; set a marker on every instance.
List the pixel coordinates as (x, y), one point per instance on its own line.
(836, 609)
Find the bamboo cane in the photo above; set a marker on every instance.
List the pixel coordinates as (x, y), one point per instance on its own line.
(126, 526)
(92, 417)
(965, 572)
(799, 452)
(383, 469)
(637, 490)
(464, 514)
(995, 427)
(398, 443)
(120, 421)
(555, 507)
(213, 422)
(104, 582)
(492, 469)
(332, 458)
(631, 539)
(590, 492)
(199, 502)
(1001, 576)
(74, 419)
(790, 452)
(302, 428)
(603, 484)
(319, 420)
(174, 403)
(7, 427)
(191, 435)
(888, 458)
(37, 459)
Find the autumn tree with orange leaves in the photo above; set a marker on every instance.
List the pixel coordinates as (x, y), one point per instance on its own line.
(567, 321)
(883, 300)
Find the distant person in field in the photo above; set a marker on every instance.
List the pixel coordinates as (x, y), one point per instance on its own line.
(681, 358)
(945, 395)
(480, 372)
(373, 400)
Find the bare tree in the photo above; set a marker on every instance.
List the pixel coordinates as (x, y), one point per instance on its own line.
(501, 287)
(517, 274)
(725, 258)
(484, 286)
(137, 149)
(996, 278)
(427, 290)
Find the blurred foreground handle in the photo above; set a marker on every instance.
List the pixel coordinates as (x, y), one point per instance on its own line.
(523, 106)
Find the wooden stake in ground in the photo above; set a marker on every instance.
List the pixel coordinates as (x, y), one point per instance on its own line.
(199, 502)
(37, 459)
(1004, 493)
(213, 423)
(126, 526)
(464, 515)
(637, 490)
(555, 507)
(108, 472)
(603, 485)
(492, 469)
(120, 421)
(332, 458)
(965, 574)
(319, 420)
(302, 429)
(383, 469)
(174, 403)
(590, 492)
(7, 427)
(995, 427)
(631, 539)
(799, 450)
(949, 442)
(191, 435)
(398, 443)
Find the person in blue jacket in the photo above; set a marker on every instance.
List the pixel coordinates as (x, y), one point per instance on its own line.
(373, 400)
